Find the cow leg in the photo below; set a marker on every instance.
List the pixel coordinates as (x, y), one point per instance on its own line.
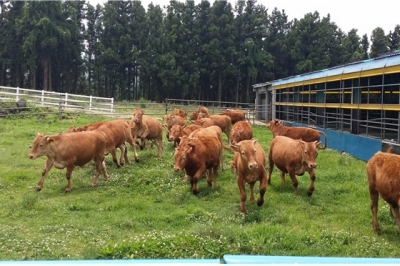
(114, 157)
(263, 188)
(159, 145)
(195, 179)
(215, 175)
(47, 167)
(251, 192)
(295, 183)
(395, 212)
(122, 158)
(271, 167)
(126, 160)
(193, 185)
(104, 170)
(312, 177)
(70, 168)
(242, 191)
(374, 196)
(208, 179)
(100, 167)
(283, 178)
(133, 144)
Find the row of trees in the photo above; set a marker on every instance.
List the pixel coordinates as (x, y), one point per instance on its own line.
(206, 51)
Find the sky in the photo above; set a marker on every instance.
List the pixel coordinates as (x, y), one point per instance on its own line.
(347, 14)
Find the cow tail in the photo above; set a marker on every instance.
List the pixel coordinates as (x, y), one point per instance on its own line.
(326, 141)
(389, 150)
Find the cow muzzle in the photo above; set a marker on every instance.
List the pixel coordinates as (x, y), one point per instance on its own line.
(312, 165)
(253, 165)
(177, 169)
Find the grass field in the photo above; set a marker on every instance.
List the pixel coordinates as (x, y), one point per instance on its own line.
(145, 210)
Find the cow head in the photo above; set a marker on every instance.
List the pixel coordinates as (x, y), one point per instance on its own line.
(181, 154)
(247, 152)
(175, 132)
(137, 116)
(273, 123)
(40, 146)
(309, 153)
(193, 116)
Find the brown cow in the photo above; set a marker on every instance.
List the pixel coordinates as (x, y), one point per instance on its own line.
(203, 122)
(241, 130)
(295, 157)
(305, 133)
(117, 133)
(170, 120)
(146, 127)
(70, 150)
(235, 115)
(179, 112)
(197, 154)
(249, 163)
(178, 131)
(384, 179)
(222, 121)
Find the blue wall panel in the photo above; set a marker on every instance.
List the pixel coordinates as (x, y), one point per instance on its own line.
(358, 146)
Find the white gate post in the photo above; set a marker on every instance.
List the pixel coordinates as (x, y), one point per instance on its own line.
(66, 100)
(17, 96)
(42, 98)
(112, 105)
(90, 102)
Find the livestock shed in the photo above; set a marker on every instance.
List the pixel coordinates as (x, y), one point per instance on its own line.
(357, 105)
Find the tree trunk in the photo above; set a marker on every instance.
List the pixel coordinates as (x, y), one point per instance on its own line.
(45, 74)
(219, 85)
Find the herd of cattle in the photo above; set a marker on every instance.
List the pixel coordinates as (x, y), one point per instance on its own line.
(199, 151)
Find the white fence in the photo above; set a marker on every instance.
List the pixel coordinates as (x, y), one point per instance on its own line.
(57, 99)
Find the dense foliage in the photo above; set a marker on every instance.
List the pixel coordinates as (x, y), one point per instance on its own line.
(208, 51)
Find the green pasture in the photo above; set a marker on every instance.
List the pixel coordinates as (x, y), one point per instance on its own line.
(145, 210)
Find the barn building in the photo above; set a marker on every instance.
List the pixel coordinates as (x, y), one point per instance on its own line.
(357, 105)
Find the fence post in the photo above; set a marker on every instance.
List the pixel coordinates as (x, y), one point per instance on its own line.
(60, 110)
(66, 99)
(166, 105)
(42, 98)
(90, 102)
(17, 96)
(112, 105)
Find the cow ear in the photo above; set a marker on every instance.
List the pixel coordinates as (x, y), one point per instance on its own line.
(189, 149)
(50, 140)
(254, 141)
(235, 147)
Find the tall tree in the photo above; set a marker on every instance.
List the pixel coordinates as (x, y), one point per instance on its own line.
(352, 48)
(43, 29)
(221, 46)
(365, 46)
(379, 42)
(394, 38)
(277, 43)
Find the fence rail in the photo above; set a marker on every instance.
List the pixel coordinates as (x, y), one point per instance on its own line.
(57, 99)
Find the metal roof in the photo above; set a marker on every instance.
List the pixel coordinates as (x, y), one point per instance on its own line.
(391, 59)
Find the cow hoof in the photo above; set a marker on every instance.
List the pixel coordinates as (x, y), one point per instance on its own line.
(67, 190)
(93, 184)
(309, 193)
(137, 160)
(38, 188)
(195, 192)
(209, 183)
(260, 202)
